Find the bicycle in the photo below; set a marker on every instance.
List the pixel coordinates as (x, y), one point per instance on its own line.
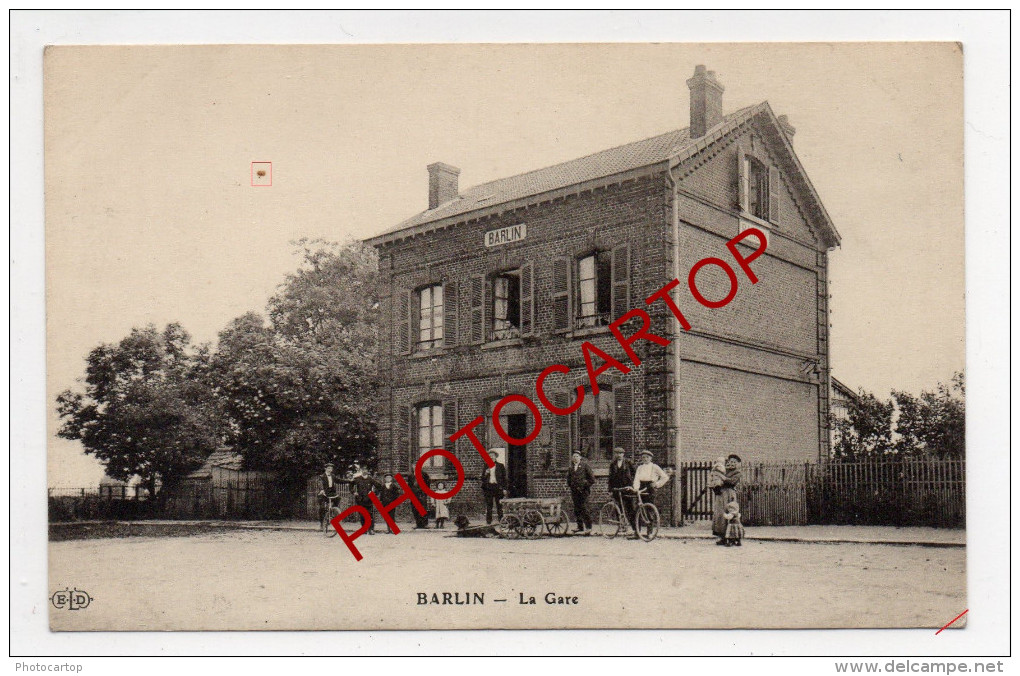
(329, 513)
(612, 516)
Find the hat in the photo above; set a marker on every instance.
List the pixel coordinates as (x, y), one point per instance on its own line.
(328, 464)
(646, 452)
(576, 451)
(618, 450)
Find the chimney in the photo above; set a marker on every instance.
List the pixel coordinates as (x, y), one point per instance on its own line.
(789, 129)
(442, 183)
(706, 101)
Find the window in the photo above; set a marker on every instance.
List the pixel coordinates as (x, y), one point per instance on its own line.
(506, 306)
(757, 188)
(595, 290)
(430, 432)
(595, 425)
(430, 317)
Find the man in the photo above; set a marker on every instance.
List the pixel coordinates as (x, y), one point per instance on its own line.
(361, 485)
(329, 490)
(387, 494)
(648, 477)
(421, 520)
(494, 486)
(621, 476)
(579, 480)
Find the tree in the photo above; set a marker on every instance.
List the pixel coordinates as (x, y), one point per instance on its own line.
(302, 389)
(148, 407)
(867, 429)
(934, 423)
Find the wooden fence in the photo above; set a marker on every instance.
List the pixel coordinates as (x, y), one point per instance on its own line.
(878, 491)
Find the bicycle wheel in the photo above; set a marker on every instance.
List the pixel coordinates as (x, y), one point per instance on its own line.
(610, 520)
(327, 528)
(648, 522)
(510, 527)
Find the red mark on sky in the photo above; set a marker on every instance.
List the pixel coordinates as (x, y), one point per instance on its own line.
(951, 621)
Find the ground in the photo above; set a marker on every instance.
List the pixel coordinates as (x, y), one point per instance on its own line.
(293, 579)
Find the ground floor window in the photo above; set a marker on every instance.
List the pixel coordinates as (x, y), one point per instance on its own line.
(430, 432)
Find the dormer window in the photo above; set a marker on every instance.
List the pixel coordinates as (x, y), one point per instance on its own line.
(757, 188)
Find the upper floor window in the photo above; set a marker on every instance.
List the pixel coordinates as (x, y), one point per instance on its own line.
(595, 290)
(430, 317)
(757, 188)
(506, 306)
(430, 432)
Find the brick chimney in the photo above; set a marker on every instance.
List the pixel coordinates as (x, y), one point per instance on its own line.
(706, 101)
(784, 124)
(442, 183)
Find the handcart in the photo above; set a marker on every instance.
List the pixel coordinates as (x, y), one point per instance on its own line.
(529, 518)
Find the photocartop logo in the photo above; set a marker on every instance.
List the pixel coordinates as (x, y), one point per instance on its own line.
(589, 351)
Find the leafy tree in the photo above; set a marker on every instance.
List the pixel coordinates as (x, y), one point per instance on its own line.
(867, 429)
(302, 389)
(933, 423)
(147, 408)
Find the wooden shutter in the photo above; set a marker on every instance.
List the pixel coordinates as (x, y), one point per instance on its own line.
(450, 301)
(400, 433)
(561, 442)
(774, 188)
(403, 311)
(561, 297)
(527, 299)
(623, 418)
(412, 435)
(620, 281)
(487, 307)
(477, 311)
(449, 424)
(742, 188)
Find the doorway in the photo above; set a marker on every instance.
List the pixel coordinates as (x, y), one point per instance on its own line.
(517, 456)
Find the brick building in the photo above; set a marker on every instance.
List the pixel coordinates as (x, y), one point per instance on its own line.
(490, 285)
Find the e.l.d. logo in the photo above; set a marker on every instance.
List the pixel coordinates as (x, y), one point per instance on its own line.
(71, 599)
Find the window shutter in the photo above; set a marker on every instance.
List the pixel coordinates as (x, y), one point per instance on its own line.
(742, 188)
(487, 308)
(561, 442)
(477, 314)
(401, 432)
(404, 308)
(774, 188)
(412, 435)
(527, 299)
(449, 424)
(561, 299)
(621, 280)
(450, 301)
(623, 418)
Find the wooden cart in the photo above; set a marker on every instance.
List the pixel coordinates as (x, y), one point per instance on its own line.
(532, 517)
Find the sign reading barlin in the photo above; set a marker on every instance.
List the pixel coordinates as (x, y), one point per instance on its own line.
(506, 235)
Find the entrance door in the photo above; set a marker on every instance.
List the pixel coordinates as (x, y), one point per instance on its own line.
(517, 457)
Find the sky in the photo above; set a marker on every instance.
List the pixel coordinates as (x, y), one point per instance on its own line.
(151, 217)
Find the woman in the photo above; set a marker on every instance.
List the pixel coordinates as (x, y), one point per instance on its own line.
(723, 494)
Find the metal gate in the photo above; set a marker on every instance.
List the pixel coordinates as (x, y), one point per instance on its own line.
(695, 495)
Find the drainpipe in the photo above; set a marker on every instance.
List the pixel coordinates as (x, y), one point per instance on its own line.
(674, 345)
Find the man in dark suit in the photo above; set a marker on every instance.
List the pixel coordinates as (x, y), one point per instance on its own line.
(329, 490)
(361, 485)
(388, 493)
(421, 520)
(621, 476)
(579, 480)
(494, 488)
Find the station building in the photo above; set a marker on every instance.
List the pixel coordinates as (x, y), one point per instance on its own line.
(490, 285)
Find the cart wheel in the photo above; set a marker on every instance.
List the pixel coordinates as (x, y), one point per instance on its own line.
(560, 525)
(534, 524)
(510, 527)
(611, 520)
(648, 522)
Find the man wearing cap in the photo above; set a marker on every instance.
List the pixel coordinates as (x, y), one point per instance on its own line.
(580, 479)
(361, 485)
(621, 476)
(388, 494)
(494, 486)
(329, 489)
(648, 476)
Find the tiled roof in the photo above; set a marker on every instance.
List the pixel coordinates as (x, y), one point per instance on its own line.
(224, 459)
(616, 160)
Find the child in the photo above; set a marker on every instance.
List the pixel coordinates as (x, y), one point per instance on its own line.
(734, 529)
(718, 474)
(442, 510)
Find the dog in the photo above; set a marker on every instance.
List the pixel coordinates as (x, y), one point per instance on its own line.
(466, 530)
